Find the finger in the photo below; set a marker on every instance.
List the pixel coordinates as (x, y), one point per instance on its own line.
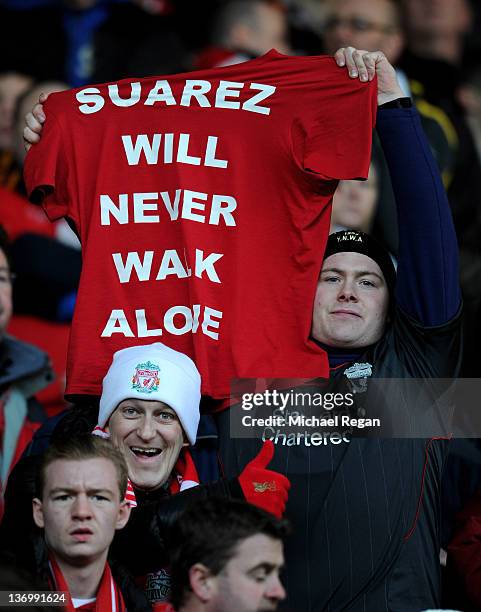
(33, 123)
(43, 97)
(358, 58)
(265, 455)
(370, 63)
(29, 138)
(283, 481)
(37, 112)
(284, 484)
(350, 63)
(340, 57)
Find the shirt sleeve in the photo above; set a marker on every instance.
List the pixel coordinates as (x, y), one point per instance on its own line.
(46, 169)
(339, 127)
(427, 286)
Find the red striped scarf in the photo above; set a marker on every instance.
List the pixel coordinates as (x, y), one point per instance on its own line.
(109, 598)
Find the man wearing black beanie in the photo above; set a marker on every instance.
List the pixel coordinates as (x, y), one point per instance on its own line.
(374, 501)
(364, 503)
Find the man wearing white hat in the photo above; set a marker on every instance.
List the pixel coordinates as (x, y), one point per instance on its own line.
(149, 407)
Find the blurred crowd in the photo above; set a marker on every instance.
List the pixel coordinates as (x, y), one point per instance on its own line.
(52, 45)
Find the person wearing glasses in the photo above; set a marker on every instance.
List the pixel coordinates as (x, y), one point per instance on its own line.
(365, 24)
(24, 370)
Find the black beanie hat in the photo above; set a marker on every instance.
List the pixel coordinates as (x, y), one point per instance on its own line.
(358, 242)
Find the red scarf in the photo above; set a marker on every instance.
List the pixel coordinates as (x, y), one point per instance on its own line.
(109, 598)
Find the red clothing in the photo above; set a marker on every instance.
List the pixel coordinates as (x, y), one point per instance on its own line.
(108, 597)
(163, 607)
(19, 217)
(464, 550)
(221, 199)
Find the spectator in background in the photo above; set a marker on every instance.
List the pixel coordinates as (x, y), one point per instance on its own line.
(244, 29)
(24, 370)
(46, 259)
(45, 254)
(12, 86)
(436, 34)
(365, 24)
(354, 204)
(23, 103)
(90, 41)
(226, 556)
(437, 28)
(377, 24)
(469, 96)
(435, 56)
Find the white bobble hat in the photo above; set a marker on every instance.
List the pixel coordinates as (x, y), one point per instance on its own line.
(153, 372)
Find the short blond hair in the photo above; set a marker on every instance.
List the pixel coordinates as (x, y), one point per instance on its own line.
(77, 449)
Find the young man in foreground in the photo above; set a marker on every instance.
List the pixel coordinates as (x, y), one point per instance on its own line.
(226, 555)
(79, 505)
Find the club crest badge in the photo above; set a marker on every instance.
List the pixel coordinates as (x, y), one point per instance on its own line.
(146, 377)
(359, 370)
(262, 487)
(357, 375)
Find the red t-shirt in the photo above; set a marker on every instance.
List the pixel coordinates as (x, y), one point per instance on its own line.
(202, 204)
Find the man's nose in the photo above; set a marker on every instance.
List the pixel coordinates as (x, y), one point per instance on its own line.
(276, 591)
(81, 508)
(146, 430)
(347, 293)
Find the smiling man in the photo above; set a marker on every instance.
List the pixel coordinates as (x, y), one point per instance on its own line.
(377, 499)
(352, 296)
(365, 502)
(79, 506)
(149, 408)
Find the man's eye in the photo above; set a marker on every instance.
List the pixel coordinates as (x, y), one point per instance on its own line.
(63, 497)
(259, 576)
(98, 497)
(361, 25)
(167, 416)
(331, 279)
(130, 412)
(367, 283)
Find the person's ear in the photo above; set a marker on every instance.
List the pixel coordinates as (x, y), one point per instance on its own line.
(37, 509)
(202, 582)
(124, 515)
